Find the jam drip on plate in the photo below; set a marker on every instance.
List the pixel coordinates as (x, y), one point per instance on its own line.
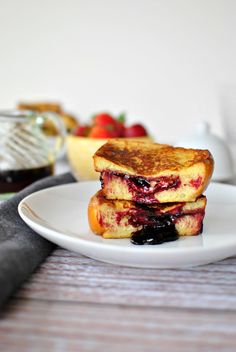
(156, 228)
(162, 230)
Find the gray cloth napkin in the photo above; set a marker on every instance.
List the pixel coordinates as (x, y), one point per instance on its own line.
(21, 249)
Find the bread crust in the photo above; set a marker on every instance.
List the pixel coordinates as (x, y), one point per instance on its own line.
(149, 159)
(93, 215)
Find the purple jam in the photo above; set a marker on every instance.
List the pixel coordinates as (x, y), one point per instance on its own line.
(142, 189)
(156, 228)
(163, 232)
(196, 183)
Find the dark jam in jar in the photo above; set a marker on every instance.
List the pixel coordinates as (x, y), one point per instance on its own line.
(12, 181)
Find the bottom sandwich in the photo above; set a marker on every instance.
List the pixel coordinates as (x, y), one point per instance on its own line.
(151, 224)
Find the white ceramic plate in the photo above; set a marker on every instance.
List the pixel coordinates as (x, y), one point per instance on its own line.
(60, 215)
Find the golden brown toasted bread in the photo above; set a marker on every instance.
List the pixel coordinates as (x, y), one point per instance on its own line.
(152, 173)
(121, 219)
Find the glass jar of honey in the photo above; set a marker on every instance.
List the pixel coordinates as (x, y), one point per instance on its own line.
(27, 151)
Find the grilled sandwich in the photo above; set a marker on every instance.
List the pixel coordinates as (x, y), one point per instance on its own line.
(152, 173)
(144, 223)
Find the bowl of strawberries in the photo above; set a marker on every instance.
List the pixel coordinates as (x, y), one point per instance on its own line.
(87, 138)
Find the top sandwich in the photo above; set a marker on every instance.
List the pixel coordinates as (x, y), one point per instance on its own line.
(152, 173)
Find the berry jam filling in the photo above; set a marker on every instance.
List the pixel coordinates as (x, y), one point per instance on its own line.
(143, 189)
(162, 231)
(140, 184)
(156, 228)
(196, 183)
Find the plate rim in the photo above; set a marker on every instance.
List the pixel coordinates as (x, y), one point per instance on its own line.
(160, 250)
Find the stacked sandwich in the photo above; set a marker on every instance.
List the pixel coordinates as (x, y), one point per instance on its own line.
(151, 193)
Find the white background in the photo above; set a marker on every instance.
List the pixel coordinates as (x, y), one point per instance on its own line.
(162, 61)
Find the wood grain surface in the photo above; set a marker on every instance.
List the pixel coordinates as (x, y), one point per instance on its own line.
(73, 303)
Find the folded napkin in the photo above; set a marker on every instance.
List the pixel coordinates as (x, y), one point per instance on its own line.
(21, 249)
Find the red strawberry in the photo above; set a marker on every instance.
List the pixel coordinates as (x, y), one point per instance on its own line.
(136, 130)
(120, 128)
(120, 124)
(104, 119)
(82, 131)
(102, 132)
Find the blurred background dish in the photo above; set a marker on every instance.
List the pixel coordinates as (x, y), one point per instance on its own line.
(89, 137)
(202, 138)
(49, 126)
(80, 151)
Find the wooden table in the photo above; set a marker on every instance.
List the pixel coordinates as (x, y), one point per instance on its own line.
(73, 303)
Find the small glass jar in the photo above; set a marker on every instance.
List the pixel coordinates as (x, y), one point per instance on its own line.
(27, 150)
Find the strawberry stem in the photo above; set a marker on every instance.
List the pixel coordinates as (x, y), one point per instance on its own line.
(121, 118)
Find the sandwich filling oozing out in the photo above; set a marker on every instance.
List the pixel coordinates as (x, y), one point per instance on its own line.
(151, 226)
(142, 189)
(157, 229)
